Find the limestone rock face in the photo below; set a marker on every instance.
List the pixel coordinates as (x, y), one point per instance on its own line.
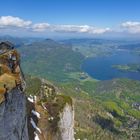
(13, 118)
(66, 123)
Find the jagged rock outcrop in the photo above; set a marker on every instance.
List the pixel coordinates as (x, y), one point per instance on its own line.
(13, 118)
(56, 115)
(66, 123)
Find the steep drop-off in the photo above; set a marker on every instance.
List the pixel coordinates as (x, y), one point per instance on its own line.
(47, 116)
(54, 115)
(13, 117)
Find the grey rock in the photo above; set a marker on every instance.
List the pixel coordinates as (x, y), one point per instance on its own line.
(13, 117)
(66, 123)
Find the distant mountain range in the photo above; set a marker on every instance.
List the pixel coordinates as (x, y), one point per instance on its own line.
(18, 41)
(50, 59)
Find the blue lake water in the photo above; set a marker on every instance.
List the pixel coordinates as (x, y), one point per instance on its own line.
(101, 67)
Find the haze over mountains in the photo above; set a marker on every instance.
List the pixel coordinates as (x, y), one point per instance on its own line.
(104, 109)
(109, 108)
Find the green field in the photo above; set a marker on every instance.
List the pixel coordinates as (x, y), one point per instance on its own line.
(128, 67)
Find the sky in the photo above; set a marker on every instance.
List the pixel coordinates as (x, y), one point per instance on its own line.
(71, 18)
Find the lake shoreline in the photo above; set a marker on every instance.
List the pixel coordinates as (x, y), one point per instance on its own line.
(100, 68)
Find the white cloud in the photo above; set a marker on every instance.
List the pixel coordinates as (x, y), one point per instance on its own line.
(131, 27)
(100, 30)
(13, 21)
(11, 24)
(79, 29)
(15, 24)
(71, 28)
(130, 24)
(40, 27)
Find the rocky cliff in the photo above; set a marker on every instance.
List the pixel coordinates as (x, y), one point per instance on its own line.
(34, 119)
(47, 116)
(66, 123)
(13, 117)
(51, 117)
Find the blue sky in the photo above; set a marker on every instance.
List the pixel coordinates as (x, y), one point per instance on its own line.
(70, 17)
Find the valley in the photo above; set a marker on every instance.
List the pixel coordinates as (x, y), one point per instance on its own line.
(70, 70)
(104, 108)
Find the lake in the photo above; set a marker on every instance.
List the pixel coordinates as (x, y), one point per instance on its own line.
(101, 67)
